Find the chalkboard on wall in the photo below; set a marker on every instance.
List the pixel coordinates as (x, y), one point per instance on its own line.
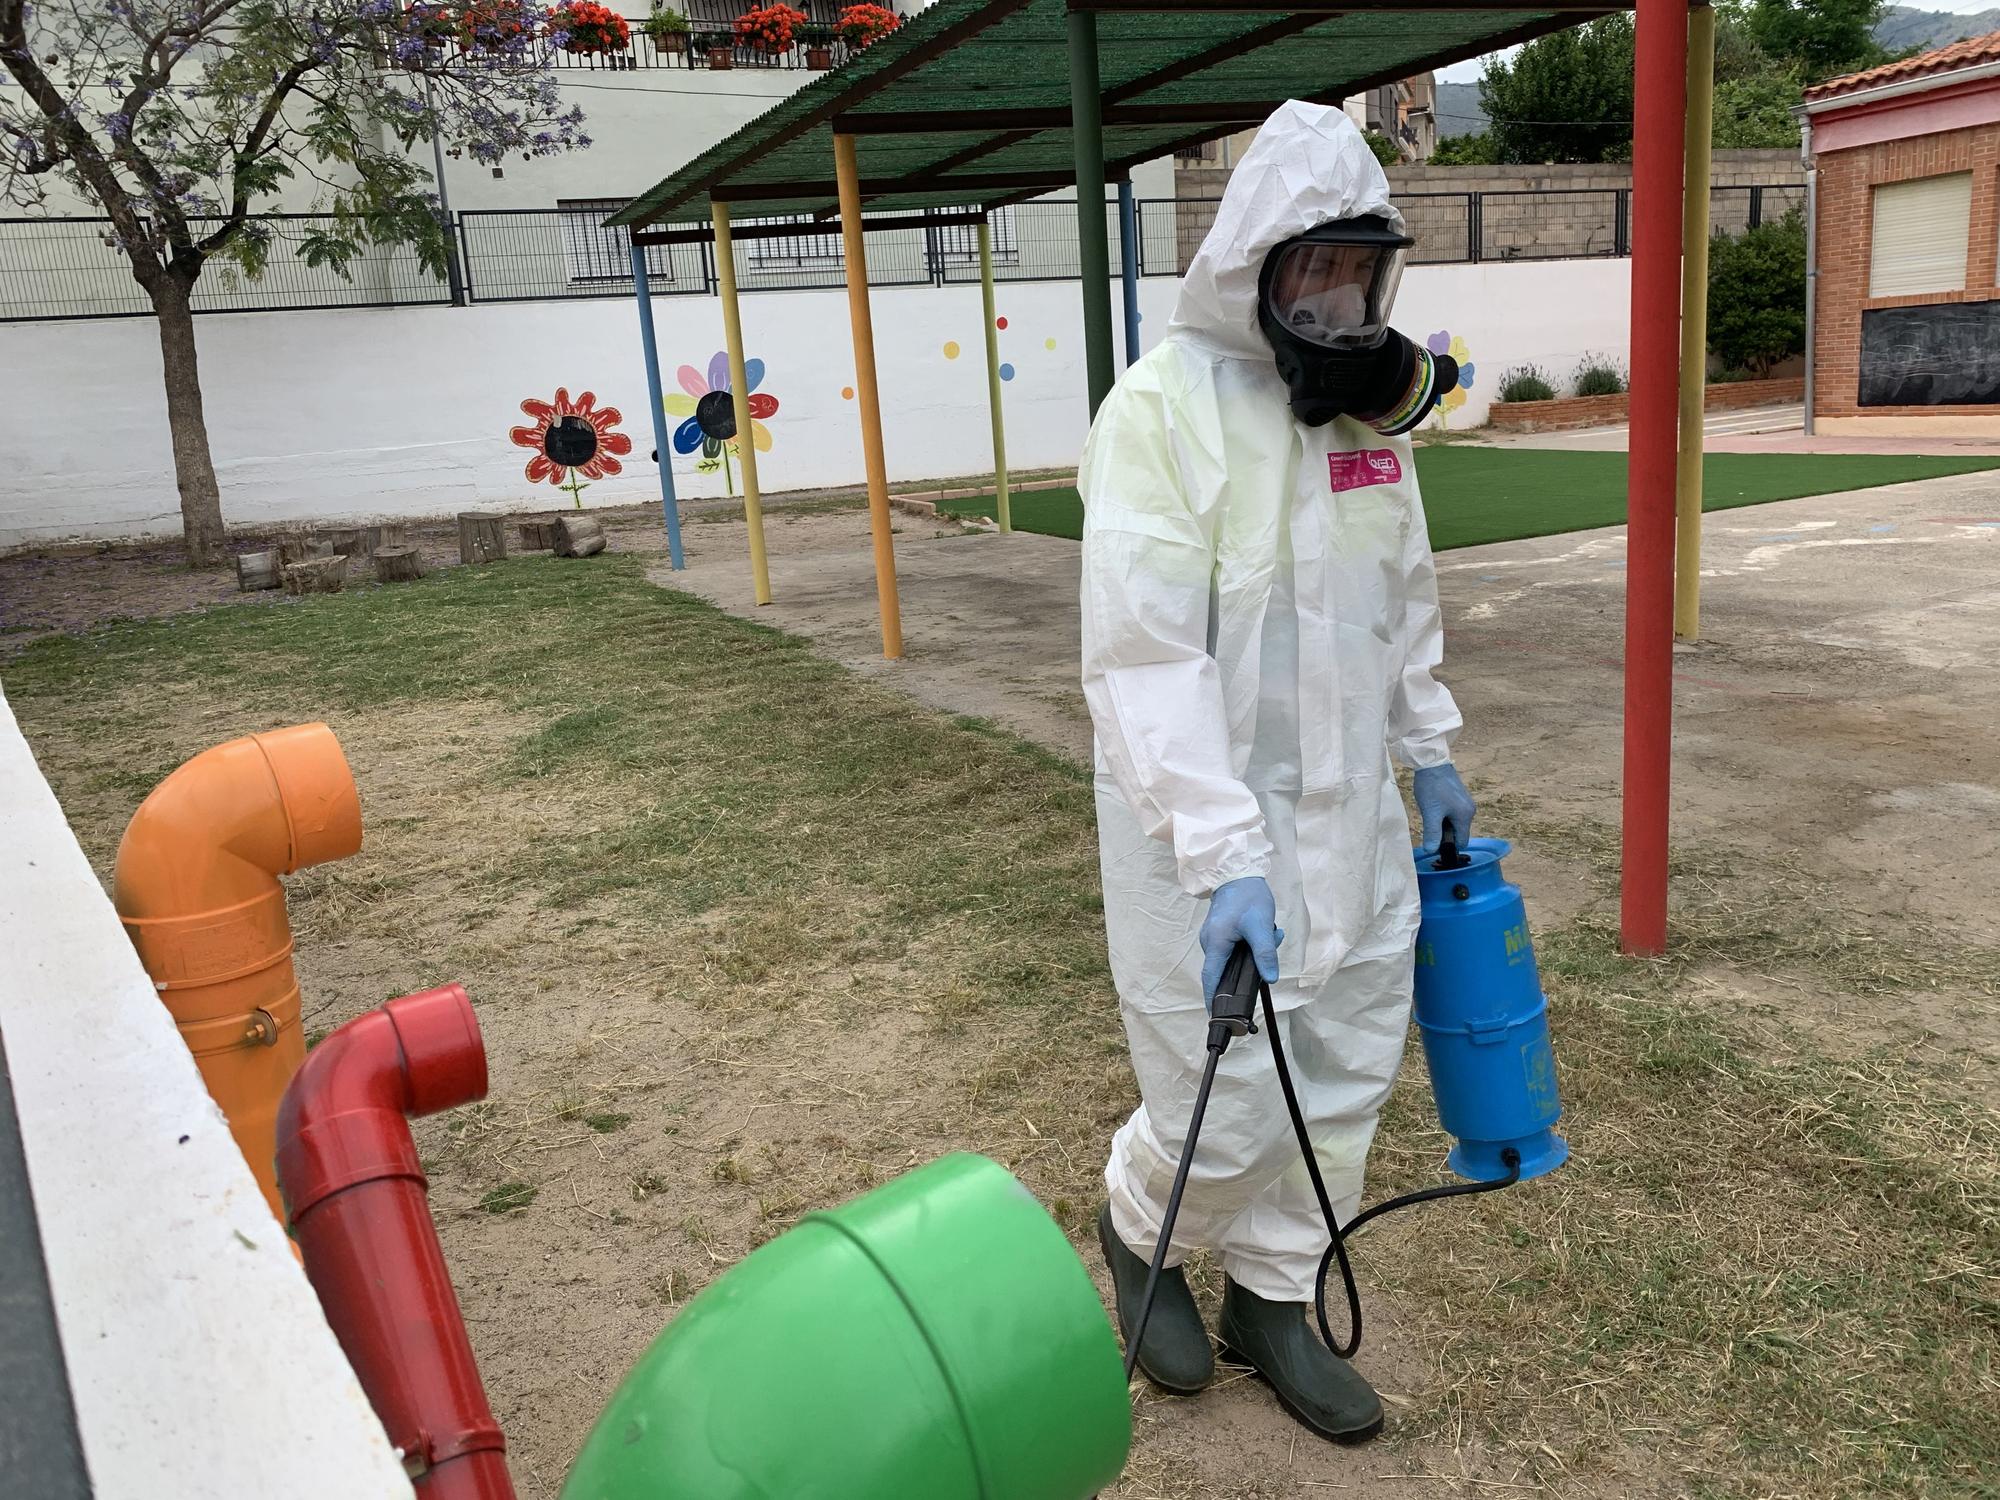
(1947, 354)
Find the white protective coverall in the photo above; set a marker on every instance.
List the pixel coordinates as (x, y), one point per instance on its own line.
(1260, 627)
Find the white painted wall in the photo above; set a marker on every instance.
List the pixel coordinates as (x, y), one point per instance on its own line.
(344, 415)
(199, 1361)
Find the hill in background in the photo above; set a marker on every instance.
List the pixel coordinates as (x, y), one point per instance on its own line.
(1901, 29)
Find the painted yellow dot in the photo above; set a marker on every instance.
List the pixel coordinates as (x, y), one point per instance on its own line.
(1050, 344)
(951, 349)
(847, 393)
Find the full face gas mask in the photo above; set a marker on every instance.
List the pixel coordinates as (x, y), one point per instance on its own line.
(1323, 302)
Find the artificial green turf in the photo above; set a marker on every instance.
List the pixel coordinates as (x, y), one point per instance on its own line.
(1477, 495)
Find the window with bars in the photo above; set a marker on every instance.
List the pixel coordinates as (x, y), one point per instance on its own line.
(958, 244)
(794, 251)
(593, 254)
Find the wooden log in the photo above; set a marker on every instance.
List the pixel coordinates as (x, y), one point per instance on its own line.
(257, 570)
(579, 536)
(538, 533)
(317, 575)
(296, 546)
(363, 541)
(481, 537)
(398, 564)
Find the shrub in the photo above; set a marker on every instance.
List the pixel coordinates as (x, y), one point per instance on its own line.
(662, 24)
(1384, 148)
(1757, 295)
(1598, 376)
(1526, 383)
(1465, 151)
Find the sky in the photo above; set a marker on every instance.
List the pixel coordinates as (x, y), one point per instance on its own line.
(1468, 72)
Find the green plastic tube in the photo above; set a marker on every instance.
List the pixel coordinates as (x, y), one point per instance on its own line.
(935, 1338)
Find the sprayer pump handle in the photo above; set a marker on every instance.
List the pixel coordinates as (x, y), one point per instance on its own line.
(1236, 996)
(1448, 856)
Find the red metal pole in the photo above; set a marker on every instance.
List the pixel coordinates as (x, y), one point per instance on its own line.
(1659, 109)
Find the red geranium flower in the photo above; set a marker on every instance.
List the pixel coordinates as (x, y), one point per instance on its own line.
(570, 435)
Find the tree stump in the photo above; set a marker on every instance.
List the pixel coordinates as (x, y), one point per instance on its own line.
(317, 575)
(398, 564)
(538, 533)
(481, 537)
(257, 570)
(364, 541)
(296, 546)
(579, 536)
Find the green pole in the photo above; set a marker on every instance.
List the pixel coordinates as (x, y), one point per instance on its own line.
(1093, 244)
(993, 377)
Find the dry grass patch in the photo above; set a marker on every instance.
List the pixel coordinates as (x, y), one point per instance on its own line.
(750, 934)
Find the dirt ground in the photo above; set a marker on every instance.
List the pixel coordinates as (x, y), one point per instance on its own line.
(1839, 711)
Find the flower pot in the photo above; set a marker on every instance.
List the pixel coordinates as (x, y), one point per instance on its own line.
(671, 41)
(721, 59)
(819, 59)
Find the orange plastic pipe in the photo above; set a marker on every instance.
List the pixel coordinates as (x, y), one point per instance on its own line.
(197, 888)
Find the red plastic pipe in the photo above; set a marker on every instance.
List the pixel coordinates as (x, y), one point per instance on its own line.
(355, 1195)
(1659, 110)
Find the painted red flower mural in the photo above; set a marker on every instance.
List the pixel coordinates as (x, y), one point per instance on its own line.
(572, 438)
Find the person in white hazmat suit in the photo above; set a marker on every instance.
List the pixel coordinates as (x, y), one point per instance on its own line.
(1260, 629)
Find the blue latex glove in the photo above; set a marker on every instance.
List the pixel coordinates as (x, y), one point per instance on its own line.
(1241, 909)
(1440, 795)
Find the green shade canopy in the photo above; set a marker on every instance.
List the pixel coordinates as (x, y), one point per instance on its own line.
(968, 102)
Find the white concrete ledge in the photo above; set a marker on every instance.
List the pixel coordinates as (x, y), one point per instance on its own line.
(199, 1362)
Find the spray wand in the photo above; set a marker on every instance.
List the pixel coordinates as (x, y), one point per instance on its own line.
(1233, 1014)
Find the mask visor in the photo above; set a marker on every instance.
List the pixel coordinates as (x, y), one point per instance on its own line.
(1335, 295)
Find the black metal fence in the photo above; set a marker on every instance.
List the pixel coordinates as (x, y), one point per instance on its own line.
(74, 268)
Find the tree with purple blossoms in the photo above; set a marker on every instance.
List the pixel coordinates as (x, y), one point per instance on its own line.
(181, 117)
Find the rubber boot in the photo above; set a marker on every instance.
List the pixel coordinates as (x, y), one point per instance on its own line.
(1176, 1355)
(1311, 1382)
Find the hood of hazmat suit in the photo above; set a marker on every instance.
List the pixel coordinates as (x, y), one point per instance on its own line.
(1260, 617)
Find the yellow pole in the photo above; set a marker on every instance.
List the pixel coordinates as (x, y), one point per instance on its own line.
(993, 378)
(1694, 321)
(854, 250)
(739, 394)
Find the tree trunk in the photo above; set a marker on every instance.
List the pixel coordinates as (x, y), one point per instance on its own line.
(579, 536)
(318, 575)
(480, 537)
(194, 470)
(258, 570)
(398, 564)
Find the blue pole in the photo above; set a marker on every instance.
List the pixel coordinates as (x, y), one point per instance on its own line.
(1128, 248)
(668, 503)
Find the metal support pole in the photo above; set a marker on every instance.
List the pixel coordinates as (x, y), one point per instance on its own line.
(1128, 265)
(1000, 507)
(669, 504)
(1659, 112)
(1694, 320)
(739, 392)
(1093, 247)
(1812, 264)
(854, 251)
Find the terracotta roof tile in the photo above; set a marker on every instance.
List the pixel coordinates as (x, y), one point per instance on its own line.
(1966, 54)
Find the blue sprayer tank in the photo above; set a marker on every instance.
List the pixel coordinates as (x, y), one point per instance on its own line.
(1480, 1010)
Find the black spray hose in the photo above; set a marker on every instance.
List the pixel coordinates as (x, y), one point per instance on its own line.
(1230, 1017)
(1215, 1051)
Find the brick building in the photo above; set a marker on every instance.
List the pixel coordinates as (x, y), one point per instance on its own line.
(1903, 328)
